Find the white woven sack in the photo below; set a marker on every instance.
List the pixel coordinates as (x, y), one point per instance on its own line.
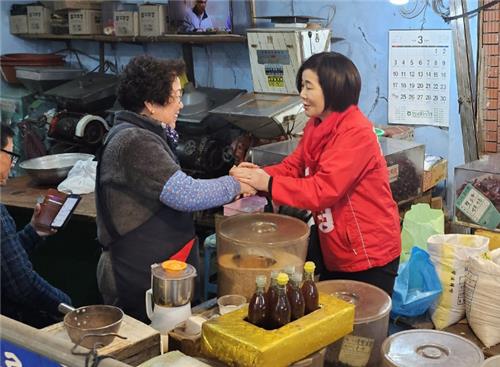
(482, 297)
(449, 254)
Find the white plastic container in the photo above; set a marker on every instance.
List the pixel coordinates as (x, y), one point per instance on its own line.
(492, 362)
(371, 321)
(419, 348)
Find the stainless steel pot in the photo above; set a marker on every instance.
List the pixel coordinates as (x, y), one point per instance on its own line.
(172, 288)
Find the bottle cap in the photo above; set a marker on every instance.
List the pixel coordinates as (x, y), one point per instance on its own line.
(309, 267)
(282, 279)
(261, 280)
(289, 269)
(296, 277)
(274, 274)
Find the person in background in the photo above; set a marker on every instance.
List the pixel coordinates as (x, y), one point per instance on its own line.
(337, 172)
(196, 19)
(144, 200)
(26, 296)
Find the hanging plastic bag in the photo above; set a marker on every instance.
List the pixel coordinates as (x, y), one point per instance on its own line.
(419, 223)
(417, 285)
(482, 297)
(81, 178)
(449, 254)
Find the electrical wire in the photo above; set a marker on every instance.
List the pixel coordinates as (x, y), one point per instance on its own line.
(419, 7)
(440, 9)
(447, 19)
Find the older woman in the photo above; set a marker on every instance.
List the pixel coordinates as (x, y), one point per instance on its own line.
(339, 173)
(143, 198)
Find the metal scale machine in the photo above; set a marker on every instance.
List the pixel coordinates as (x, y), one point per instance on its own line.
(276, 54)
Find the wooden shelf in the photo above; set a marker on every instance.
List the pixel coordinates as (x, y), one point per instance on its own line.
(174, 38)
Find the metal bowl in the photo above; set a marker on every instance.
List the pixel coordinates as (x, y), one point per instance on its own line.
(52, 169)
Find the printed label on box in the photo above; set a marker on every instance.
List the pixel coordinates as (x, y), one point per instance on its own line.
(478, 207)
(356, 350)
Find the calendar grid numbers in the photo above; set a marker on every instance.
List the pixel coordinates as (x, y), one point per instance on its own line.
(419, 77)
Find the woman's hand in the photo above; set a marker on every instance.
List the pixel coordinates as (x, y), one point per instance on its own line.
(255, 177)
(42, 232)
(246, 190)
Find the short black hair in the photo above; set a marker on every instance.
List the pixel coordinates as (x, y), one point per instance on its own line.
(7, 132)
(146, 79)
(338, 77)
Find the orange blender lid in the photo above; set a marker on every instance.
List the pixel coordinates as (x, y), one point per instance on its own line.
(174, 265)
(173, 269)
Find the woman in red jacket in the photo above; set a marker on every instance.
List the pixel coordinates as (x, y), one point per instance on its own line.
(339, 173)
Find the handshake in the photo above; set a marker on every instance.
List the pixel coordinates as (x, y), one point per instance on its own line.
(251, 177)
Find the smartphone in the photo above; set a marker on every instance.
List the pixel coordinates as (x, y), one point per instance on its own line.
(65, 212)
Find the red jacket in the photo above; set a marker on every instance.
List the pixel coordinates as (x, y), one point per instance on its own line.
(338, 172)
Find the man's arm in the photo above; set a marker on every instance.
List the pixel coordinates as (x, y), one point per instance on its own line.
(20, 282)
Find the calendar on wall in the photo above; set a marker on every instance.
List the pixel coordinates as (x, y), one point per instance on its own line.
(419, 77)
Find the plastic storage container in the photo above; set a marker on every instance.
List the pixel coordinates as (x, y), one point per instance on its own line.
(405, 161)
(255, 244)
(477, 193)
(492, 362)
(371, 321)
(418, 348)
(314, 360)
(265, 155)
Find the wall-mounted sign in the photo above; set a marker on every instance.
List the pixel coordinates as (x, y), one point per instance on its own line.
(419, 77)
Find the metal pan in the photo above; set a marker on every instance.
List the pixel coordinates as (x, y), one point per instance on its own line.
(92, 326)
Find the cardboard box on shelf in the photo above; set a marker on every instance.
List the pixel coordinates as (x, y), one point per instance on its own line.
(18, 24)
(435, 174)
(38, 20)
(84, 21)
(126, 23)
(75, 5)
(152, 19)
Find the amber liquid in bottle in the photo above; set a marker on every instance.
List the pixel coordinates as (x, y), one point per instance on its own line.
(295, 297)
(257, 313)
(309, 291)
(280, 313)
(271, 295)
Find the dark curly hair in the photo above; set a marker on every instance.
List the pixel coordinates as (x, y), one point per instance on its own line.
(146, 79)
(338, 76)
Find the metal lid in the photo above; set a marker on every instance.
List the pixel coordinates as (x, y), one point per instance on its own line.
(263, 229)
(174, 272)
(371, 302)
(416, 348)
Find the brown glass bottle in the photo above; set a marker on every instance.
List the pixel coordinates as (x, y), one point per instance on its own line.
(257, 313)
(295, 297)
(272, 292)
(309, 290)
(280, 313)
(289, 270)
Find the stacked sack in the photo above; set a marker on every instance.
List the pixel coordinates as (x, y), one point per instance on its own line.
(482, 297)
(450, 254)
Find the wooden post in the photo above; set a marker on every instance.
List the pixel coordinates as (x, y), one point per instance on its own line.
(466, 80)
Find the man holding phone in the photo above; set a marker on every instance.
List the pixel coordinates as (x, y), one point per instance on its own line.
(26, 296)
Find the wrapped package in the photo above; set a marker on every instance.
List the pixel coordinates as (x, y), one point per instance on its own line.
(237, 342)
